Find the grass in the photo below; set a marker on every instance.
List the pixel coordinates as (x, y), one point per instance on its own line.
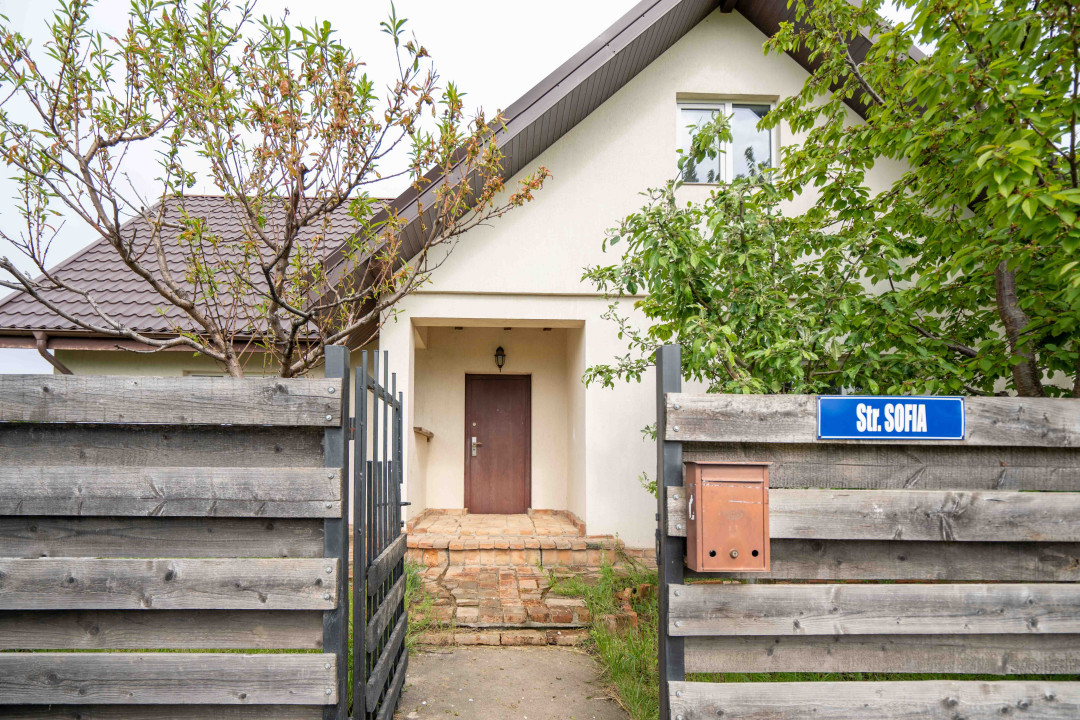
(419, 604)
(629, 657)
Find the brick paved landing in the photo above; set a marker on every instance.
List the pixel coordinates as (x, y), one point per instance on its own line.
(543, 538)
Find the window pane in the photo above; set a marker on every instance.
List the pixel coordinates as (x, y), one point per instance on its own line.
(708, 170)
(751, 148)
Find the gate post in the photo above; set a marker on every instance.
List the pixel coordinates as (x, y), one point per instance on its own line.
(336, 535)
(671, 550)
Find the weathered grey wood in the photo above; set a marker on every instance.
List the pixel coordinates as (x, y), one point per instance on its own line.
(335, 622)
(892, 467)
(990, 421)
(174, 584)
(964, 609)
(170, 400)
(382, 617)
(976, 654)
(912, 700)
(384, 564)
(376, 680)
(168, 446)
(164, 491)
(912, 515)
(888, 560)
(167, 678)
(154, 712)
(33, 536)
(135, 629)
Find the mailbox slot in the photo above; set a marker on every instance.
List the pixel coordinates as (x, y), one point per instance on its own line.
(727, 517)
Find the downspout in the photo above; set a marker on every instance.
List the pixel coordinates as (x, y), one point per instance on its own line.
(43, 350)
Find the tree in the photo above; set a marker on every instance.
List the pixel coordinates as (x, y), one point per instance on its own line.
(292, 132)
(961, 277)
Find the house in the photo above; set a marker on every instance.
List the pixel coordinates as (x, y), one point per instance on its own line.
(490, 354)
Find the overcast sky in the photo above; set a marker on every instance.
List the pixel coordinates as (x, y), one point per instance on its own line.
(494, 50)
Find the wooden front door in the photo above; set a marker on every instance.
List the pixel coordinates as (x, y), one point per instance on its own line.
(498, 443)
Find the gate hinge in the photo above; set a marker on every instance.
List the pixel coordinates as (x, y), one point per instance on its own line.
(352, 425)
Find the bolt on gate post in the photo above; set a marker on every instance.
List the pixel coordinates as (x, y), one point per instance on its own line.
(670, 550)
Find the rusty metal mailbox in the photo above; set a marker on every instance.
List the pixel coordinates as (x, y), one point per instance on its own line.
(727, 517)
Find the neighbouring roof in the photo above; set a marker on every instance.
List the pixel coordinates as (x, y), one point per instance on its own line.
(123, 295)
(532, 124)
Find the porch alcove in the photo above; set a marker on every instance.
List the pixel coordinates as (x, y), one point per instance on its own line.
(545, 361)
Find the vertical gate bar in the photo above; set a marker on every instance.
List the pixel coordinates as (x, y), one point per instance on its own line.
(395, 489)
(671, 550)
(386, 455)
(359, 593)
(336, 534)
(375, 546)
(400, 437)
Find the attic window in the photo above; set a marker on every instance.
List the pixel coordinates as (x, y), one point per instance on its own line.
(751, 149)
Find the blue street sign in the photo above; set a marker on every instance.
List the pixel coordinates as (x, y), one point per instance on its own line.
(857, 417)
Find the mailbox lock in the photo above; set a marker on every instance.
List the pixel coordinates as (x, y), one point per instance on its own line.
(734, 553)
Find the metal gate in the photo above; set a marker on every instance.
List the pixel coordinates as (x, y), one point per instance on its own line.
(380, 657)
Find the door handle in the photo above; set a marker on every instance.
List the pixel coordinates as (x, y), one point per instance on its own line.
(475, 444)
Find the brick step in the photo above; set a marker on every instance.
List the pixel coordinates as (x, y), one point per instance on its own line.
(573, 552)
(502, 636)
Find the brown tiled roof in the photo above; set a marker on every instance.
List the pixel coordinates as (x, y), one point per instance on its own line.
(125, 296)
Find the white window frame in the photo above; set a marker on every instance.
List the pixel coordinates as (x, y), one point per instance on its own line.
(727, 157)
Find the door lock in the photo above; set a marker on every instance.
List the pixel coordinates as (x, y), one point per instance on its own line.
(475, 444)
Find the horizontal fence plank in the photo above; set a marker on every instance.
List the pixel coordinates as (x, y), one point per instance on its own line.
(170, 400)
(165, 491)
(34, 536)
(31, 444)
(154, 712)
(381, 567)
(167, 678)
(376, 679)
(168, 584)
(382, 617)
(990, 421)
(857, 609)
(975, 654)
(888, 560)
(909, 700)
(136, 629)
(911, 515)
(894, 467)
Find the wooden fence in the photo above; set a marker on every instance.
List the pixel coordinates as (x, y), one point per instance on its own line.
(142, 515)
(979, 540)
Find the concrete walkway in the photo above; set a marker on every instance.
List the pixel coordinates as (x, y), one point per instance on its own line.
(515, 683)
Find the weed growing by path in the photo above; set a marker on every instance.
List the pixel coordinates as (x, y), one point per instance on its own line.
(628, 654)
(419, 603)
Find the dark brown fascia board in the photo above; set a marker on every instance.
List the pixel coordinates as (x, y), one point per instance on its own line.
(534, 103)
(766, 15)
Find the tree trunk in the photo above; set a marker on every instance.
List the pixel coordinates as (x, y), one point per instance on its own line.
(233, 366)
(1076, 379)
(1026, 374)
